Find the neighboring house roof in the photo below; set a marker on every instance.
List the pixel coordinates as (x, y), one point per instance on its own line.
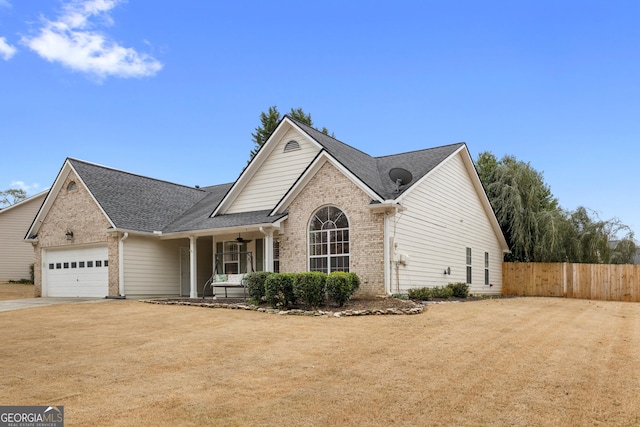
(23, 202)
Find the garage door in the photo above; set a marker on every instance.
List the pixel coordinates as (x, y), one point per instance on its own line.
(76, 272)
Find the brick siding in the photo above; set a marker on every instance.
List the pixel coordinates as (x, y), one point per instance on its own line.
(366, 228)
(76, 210)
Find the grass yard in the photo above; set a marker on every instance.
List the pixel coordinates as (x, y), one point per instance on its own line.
(16, 291)
(506, 362)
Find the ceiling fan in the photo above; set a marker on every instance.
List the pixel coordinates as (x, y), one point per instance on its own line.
(240, 240)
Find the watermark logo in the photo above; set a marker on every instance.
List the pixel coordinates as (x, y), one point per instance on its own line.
(31, 416)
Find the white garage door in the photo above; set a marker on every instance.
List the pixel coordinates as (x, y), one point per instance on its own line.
(76, 272)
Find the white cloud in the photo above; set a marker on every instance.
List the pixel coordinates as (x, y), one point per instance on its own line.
(6, 50)
(72, 41)
(29, 188)
(5, 3)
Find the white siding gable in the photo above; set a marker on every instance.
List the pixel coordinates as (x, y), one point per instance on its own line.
(443, 216)
(276, 174)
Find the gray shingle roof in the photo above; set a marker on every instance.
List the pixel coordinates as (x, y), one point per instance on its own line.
(374, 171)
(136, 202)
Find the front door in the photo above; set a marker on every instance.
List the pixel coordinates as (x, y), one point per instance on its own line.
(185, 272)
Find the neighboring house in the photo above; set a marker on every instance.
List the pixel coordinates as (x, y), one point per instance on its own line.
(16, 256)
(306, 202)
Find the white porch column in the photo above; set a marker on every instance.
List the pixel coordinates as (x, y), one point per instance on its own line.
(268, 249)
(121, 263)
(193, 264)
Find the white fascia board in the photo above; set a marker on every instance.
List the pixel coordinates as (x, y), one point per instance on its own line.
(484, 199)
(252, 168)
(310, 172)
(55, 189)
(386, 206)
(214, 231)
(92, 196)
(48, 201)
(477, 184)
(431, 172)
(46, 205)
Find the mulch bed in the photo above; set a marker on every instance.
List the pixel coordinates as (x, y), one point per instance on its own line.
(353, 307)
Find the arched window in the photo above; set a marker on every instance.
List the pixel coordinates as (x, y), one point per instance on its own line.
(72, 186)
(329, 240)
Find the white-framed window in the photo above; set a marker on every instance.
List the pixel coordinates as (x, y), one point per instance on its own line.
(486, 268)
(469, 270)
(231, 257)
(276, 256)
(329, 240)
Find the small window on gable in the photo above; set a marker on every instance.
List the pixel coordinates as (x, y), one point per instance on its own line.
(72, 186)
(291, 146)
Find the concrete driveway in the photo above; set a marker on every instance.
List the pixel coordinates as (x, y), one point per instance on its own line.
(17, 304)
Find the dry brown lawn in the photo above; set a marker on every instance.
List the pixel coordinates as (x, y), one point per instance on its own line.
(509, 362)
(16, 291)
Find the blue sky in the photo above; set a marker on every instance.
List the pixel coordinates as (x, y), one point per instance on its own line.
(173, 90)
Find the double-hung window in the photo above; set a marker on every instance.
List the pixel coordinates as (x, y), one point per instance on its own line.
(469, 272)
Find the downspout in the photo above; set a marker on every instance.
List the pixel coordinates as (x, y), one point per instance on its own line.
(386, 248)
(121, 263)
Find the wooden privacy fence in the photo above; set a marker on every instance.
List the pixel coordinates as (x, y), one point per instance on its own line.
(620, 282)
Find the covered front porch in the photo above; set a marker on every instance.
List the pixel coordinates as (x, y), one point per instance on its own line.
(228, 253)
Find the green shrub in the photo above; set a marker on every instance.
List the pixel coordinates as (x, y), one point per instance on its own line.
(278, 289)
(420, 294)
(310, 288)
(426, 294)
(444, 292)
(255, 285)
(354, 281)
(341, 286)
(460, 289)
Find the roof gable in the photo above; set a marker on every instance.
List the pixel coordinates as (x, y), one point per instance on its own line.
(272, 171)
(128, 201)
(374, 171)
(136, 202)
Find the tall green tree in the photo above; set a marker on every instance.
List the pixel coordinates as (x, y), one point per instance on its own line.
(523, 204)
(12, 196)
(268, 123)
(537, 229)
(270, 119)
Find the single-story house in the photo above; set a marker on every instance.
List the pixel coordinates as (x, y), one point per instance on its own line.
(305, 202)
(16, 257)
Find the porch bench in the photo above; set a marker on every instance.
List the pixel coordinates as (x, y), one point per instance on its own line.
(229, 281)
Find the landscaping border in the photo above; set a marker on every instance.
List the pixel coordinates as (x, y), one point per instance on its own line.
(416, 309)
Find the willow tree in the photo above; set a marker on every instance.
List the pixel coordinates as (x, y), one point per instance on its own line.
(537, 229)
(524, 206)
